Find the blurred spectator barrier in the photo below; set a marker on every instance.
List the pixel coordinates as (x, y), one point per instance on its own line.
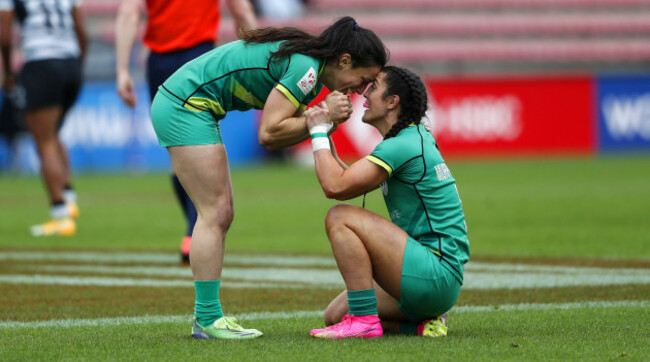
(534, 116)
(104, 135)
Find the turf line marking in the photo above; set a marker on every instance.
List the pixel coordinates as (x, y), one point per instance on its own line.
(70, 323)
(128, 282)
(519, 280)
(550, 306)
(137, 257)
(555, 269)
(519, 277)
(282, 272)
(318, 276)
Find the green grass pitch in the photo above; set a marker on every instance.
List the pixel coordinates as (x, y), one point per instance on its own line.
(573, 235)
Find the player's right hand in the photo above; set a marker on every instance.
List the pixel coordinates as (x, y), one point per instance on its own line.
(339, 106)
(125, 89)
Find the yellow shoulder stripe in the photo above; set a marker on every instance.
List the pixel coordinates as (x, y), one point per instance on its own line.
(288, 94)
(380, 163)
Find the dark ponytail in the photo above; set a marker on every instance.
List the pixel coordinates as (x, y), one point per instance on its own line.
(412, 95)
(344, 36)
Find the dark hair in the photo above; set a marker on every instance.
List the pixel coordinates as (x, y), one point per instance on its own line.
(344, 36)
(412, 94)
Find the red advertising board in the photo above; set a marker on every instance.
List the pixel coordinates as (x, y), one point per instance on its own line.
(493, 117)
(514, 116)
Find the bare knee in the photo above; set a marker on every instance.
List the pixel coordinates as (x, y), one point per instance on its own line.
(219, 216)
(337, 216)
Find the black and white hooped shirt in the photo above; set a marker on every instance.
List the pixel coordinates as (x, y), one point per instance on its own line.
(47, 27)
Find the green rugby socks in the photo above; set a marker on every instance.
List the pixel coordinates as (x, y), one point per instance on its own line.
(207, 307)
(362, 302)
(408, 328)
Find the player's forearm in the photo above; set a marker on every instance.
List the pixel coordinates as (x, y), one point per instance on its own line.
(288, 132)
(126, 28)
(331, 175)
(242, 12)
(336, 155)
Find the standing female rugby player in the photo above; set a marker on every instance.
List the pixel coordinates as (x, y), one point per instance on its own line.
(278, 70)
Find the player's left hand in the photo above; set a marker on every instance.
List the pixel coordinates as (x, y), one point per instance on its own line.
(319, 115)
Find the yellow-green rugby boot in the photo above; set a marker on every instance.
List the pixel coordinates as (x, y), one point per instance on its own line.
(223, 328)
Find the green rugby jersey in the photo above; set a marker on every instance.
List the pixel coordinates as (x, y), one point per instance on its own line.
(237, 76)
(421, 194)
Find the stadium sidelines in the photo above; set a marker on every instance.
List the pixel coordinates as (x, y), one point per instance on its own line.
(279, 272)
(69, 323)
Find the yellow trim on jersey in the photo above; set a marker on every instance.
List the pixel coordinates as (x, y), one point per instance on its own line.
(303, 107)
(380, 163)
(192, 108)
(288, 94)
(435, 252)
(247, 97)
(198, 104)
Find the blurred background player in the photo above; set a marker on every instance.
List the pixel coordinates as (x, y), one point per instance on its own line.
(278, 70)
(177, 32)
(54, 44)
(406, 273)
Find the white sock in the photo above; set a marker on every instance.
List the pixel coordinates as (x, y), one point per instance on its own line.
(69, 196)
(59, 211)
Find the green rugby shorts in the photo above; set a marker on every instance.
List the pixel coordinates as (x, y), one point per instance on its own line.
(428, 288)
(176, 125)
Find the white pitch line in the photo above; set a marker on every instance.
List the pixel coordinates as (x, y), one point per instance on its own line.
(137, 257)
(316, 276)
(556, 269)
(271, 260)
(109, 257)
(548, 306)
(129, 282)
(281, 270)
(475, 280)
(518, 278)
(70, 323)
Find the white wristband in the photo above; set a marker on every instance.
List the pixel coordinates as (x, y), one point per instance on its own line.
(320, 143)
(320, 128)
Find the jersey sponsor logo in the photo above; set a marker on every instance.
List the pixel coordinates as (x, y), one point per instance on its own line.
(384, 188)
(627, 117)
(308, 81)
(394, 214)
(442, 171)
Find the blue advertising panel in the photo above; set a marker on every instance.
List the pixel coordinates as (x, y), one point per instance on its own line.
(623, 113)
(102, 134)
